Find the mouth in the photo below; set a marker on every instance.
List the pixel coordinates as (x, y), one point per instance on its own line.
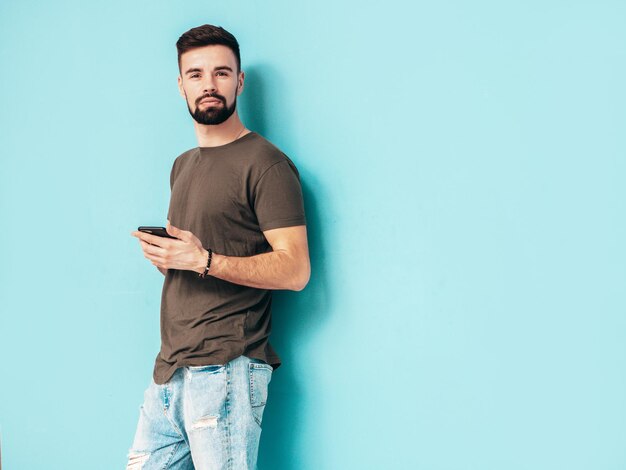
(210, 101)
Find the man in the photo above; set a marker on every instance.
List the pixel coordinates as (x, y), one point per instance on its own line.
(237, 215)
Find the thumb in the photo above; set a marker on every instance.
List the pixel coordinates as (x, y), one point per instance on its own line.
(173, 231)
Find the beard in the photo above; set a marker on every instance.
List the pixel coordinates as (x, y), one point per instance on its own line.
(213, 115)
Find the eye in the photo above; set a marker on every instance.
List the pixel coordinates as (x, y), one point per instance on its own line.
(224, 74)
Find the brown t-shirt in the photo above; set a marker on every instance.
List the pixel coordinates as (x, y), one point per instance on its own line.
(226, 196)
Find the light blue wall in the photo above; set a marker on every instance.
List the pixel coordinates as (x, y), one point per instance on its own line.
(463, 165)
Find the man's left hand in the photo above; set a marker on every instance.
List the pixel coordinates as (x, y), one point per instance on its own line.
(186, 253)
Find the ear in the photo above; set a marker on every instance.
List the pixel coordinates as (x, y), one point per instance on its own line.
(240, 83)
(180, 87)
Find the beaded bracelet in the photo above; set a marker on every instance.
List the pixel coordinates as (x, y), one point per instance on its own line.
(208, 264)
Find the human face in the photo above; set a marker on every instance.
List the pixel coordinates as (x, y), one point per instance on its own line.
(209, 83)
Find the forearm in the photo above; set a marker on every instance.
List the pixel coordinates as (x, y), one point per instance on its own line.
(273, 270)
(287, 266)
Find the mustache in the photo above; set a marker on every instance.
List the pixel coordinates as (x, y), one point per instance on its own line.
(213, 95)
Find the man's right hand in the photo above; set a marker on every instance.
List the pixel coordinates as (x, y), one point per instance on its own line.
(163, 270)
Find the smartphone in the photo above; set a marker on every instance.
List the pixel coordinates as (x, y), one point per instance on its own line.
(158, 231)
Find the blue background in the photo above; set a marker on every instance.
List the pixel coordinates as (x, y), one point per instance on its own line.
(463, 166)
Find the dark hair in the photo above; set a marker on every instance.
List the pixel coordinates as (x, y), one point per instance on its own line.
(207, 35)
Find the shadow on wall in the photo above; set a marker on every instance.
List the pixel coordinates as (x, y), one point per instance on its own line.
(252, 104)
(295, 315)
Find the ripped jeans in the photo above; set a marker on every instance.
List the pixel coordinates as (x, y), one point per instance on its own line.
(203, 418)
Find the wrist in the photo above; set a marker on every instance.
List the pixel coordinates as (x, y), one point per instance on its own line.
(203, 258)
(207, 266)
(216, 263)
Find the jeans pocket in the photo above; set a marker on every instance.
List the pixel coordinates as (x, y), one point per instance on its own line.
(210, 369)
(260, 375)
(259, 361)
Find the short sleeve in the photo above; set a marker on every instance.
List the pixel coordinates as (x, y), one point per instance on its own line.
(172, 177)
(278, 198)
(172, 174)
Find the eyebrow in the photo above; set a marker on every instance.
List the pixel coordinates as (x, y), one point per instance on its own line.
(219, 67)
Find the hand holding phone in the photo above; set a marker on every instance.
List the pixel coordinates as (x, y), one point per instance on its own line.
(158, 231)
(185, 254)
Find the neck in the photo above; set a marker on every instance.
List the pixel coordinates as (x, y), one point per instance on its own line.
(220, 134)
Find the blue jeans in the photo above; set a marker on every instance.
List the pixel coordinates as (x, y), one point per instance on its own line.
(204, 417)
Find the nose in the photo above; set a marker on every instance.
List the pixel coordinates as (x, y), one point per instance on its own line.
(209, 84)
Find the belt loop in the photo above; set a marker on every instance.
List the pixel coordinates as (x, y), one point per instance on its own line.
(166, 396)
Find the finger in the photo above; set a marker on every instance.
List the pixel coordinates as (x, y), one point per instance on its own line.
(154, 253)
(184, 235)
(153, 239)
(151, 249)
(175, 231)
(155, 258)
(158, 262)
